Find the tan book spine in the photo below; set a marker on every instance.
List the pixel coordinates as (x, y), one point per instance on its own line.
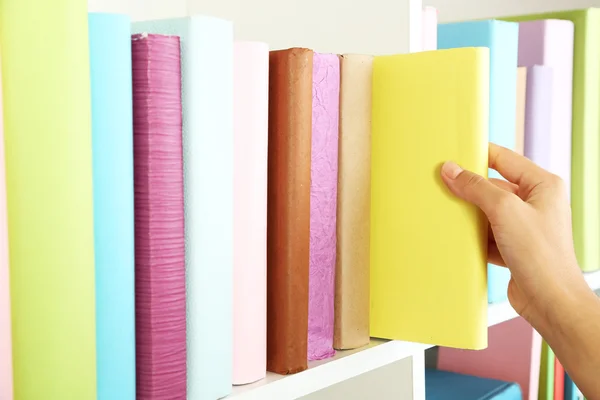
(351, 328)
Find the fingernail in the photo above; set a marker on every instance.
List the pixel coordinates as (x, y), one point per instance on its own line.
(451, 170)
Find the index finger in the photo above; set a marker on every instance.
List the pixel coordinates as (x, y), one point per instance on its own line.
(515, 168)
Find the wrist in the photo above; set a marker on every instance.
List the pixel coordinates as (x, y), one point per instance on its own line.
(565, 303)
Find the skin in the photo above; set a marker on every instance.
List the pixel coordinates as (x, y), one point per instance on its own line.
(530, 234)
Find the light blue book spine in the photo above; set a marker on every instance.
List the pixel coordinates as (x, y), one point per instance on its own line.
(112, 152)
(502, 38)
(572, 392)
(207, 98)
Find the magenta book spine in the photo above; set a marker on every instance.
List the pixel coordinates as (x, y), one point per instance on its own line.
(159, 220)
(323, 205)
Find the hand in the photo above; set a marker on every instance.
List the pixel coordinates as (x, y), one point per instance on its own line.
(530, 221)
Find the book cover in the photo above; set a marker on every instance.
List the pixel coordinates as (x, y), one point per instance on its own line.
(585, 127)
(208, 151)
(288, 215)
(546, 387)
(538, 115)
(520, 120)
(6, 361)
(48, 139)
(502, 40)
(114, 248)
(430, 24)
(442, 385)
(513, 355)
(251, 130)
(549, 43)
(323, 204)
(559, 380)
(572, 392)
(351, 328)
(428, 280)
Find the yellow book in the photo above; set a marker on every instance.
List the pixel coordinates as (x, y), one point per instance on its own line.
(428, 248)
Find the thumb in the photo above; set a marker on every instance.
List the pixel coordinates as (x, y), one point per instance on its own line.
(473, 188)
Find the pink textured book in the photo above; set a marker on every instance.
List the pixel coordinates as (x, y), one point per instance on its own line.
(430, 22)
(549, 43)
(6, 377)
(251, 132)
(323, 205)
(513, 355)
(159, 222)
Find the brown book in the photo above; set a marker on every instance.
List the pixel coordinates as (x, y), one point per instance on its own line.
(288, 215)
(351, 328)
(521, 94)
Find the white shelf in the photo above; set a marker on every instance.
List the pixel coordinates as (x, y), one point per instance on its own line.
(321, 374)
(351, 363)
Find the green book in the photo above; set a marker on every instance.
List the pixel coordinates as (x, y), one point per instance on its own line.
(47, 132)
(546, 390)
(585, 168)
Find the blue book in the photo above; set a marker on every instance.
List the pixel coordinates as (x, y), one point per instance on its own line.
(207, 99)
(442, 385)
(502, 38)
(112, 154)
(572, 392)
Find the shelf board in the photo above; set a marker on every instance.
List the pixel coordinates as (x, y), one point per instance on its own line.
(348, 364)
(321, 374)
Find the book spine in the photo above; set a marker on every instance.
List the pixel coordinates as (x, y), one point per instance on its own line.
(6, 362)
(351, 328)
(503, 97)
(47, 132)
(251, 130)
(112, 154)
(520, 110)
(538, 114)
(430, 22)
(159, 218)
(208, 166)
(288, 216)
(323, 200)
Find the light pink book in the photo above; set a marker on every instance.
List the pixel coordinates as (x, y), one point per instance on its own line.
(429, 25)
(513, 355)
(251, 124)
(6, 377)
(549, 43)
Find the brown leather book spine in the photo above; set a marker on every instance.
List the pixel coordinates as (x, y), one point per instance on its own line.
(351, 328)
(288, 215)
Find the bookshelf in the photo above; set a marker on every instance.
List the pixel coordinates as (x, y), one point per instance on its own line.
(349, 364)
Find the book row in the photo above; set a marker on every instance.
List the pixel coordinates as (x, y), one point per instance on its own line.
(182, 212)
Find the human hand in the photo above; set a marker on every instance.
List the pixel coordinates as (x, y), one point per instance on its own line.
(530, 227)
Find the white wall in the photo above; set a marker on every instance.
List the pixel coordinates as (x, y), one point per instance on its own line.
(140, 10)
(341, 26)
(458, 10)
(359, 26)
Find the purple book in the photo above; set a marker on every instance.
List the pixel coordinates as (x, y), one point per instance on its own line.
(323, 205)
(549, 43)
(538, 115)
